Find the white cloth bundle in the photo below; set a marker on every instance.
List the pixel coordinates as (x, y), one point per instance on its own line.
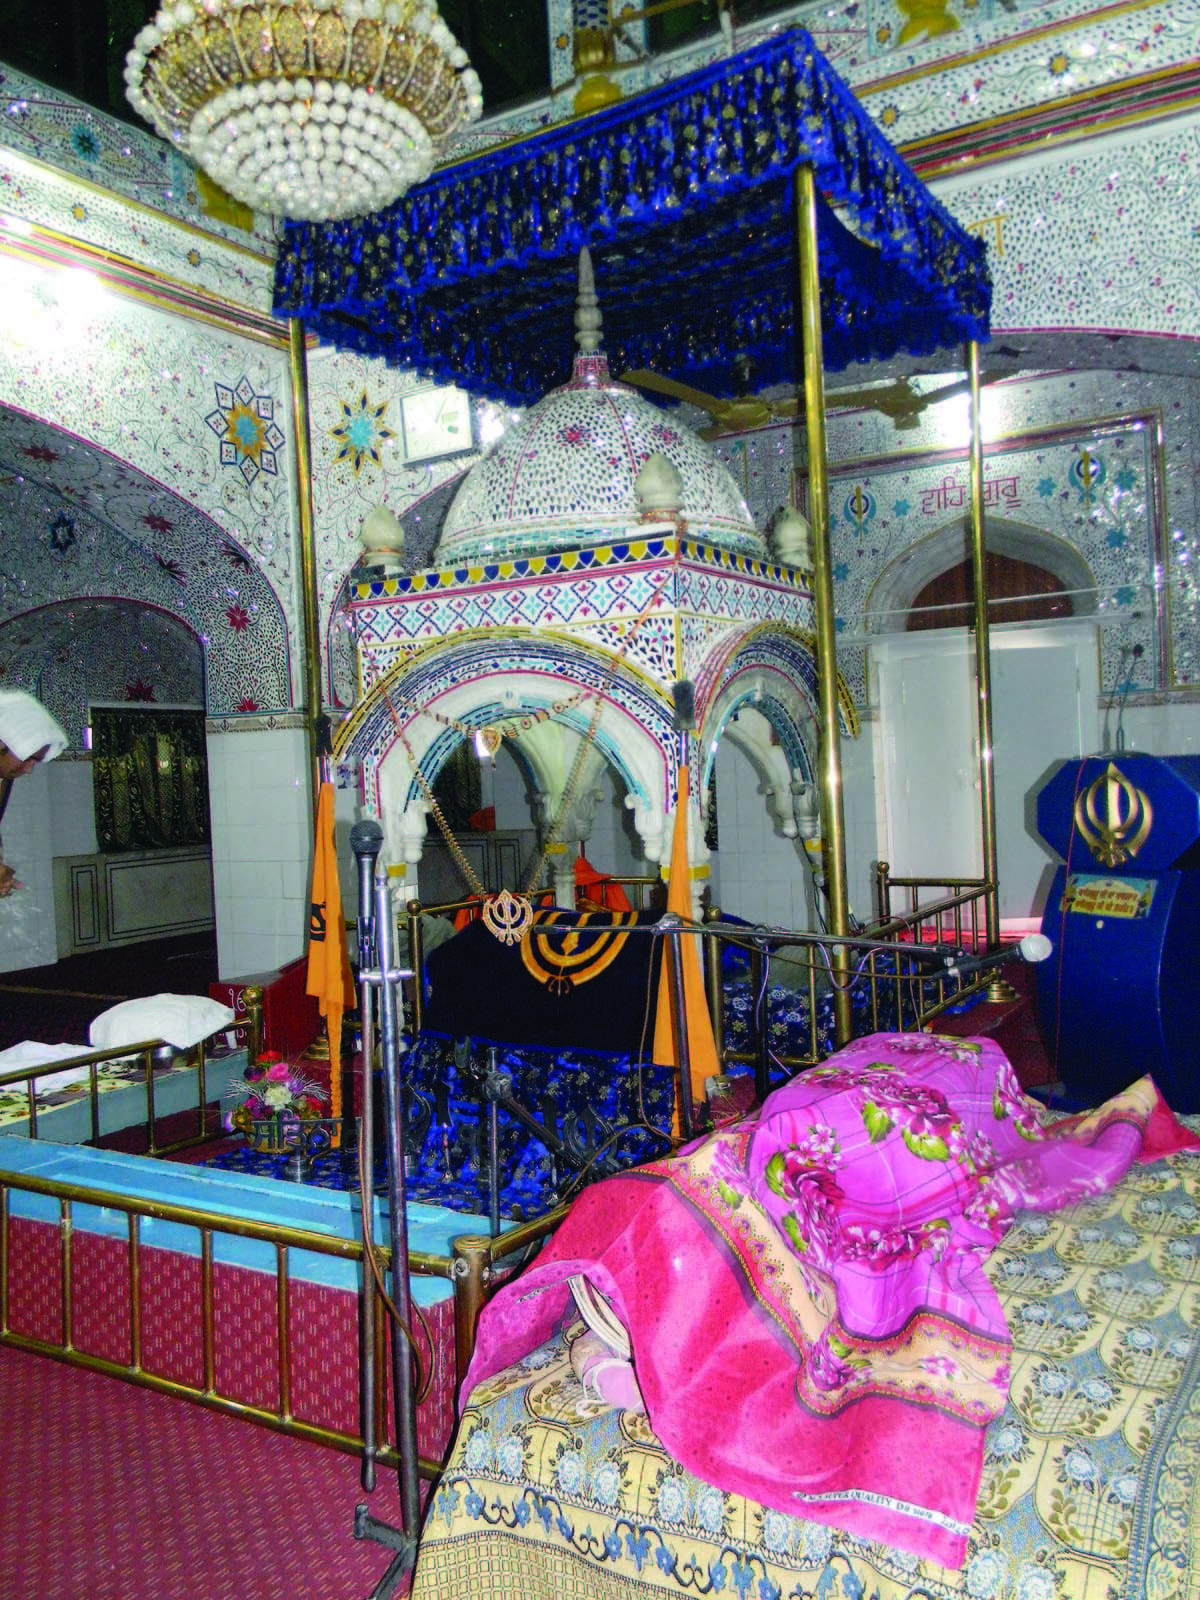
(181, 1019)
(26, 726)
(32, 1053)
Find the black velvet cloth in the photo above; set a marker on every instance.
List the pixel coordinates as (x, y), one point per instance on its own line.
(484, 989)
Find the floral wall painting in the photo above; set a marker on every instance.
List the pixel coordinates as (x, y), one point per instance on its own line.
(361, 433)
(90, 545)
(244, 422)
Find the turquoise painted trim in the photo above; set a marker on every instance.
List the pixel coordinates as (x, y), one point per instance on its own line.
(327, 1211)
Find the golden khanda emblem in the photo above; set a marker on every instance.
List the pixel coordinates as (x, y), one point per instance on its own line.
(588, 946)
(508, 916)
(1113, 817)
(491, 739)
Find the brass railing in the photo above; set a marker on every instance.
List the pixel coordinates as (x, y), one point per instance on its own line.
(207, 1123)
(469, 1272)
(952, 917)
(893, 989)
(479, 1263)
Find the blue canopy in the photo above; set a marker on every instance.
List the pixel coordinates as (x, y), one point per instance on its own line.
(684, 196)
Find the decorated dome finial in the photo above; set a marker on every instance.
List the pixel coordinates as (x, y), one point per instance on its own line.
(588, 321)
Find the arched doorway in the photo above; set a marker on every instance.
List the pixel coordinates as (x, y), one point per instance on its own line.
(1026, 562)
(1045, 686)
(1018, 591)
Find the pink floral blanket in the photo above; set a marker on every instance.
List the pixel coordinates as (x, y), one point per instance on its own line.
(804, 1293)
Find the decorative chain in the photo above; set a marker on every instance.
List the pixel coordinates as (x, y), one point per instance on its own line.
(506, 915)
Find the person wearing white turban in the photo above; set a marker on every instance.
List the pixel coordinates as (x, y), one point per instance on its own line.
(28, 735)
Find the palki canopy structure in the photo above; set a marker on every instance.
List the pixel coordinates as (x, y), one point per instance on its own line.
(748, 210)
(685, 197)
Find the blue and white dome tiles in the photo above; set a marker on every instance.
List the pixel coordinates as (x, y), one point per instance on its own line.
(566, 476)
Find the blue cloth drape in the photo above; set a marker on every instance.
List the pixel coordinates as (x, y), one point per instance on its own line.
(684, 195)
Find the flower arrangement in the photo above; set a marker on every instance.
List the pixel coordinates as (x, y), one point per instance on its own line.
(275, 1094)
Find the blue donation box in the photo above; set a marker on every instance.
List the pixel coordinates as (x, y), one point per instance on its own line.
(1118, 997)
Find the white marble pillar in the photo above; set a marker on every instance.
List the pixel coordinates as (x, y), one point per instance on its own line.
(262, 816)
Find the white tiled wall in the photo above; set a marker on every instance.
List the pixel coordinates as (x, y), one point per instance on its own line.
(862, 806)
(72, 808)
(1162, 730)
(27, 934)
(763, 876)
(261, 800)
(502, 784)
(757, 873)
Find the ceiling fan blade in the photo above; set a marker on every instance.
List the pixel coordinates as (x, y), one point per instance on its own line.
(948, 391)
(897, 399)
(644, 379)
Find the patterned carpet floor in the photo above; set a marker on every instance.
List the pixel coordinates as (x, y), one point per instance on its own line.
(112, 1492)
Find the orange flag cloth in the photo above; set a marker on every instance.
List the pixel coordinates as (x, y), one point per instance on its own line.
(329, 976)
(598, 887)
(702, 1046)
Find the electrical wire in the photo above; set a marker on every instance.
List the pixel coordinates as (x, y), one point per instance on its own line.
(425, 1385)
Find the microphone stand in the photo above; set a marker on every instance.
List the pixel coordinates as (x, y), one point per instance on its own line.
(386, 977)
(366, 841)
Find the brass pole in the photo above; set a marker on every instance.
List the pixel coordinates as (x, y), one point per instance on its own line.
(833, 825)
(983, 663)
(301, 430)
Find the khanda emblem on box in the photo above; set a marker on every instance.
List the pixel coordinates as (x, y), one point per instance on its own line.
(589, 946)
(1113, 817)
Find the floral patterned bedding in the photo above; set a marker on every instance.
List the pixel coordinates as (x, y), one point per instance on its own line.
(1091, 1485)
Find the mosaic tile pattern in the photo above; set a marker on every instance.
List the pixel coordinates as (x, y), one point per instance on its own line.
(1103, 237)
(140, 384)
(1141, 552)
(1047, 219)
(75, 654)
(108, 223)
(344, 492)
(562, 670)
(79, 524)
(566, 475)
(761, 464)
(996, 57)
(1002, 59)
(593, 593)
(42, 125)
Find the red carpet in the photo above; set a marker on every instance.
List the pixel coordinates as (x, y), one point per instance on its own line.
(55, 1004)
(112, 1492)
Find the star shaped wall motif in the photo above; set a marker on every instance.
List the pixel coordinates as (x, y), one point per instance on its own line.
(62, 533)
(244, 422)
(361, 432)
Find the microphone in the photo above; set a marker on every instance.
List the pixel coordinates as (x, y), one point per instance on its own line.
(366, 841)
(366, 837)
(1033, 947)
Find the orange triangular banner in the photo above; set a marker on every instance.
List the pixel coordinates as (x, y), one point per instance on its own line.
(702, 1046)
(329, 977)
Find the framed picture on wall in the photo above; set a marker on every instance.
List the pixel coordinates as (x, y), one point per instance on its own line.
(437, 422)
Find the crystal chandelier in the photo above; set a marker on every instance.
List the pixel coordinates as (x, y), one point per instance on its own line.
(314, 109)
